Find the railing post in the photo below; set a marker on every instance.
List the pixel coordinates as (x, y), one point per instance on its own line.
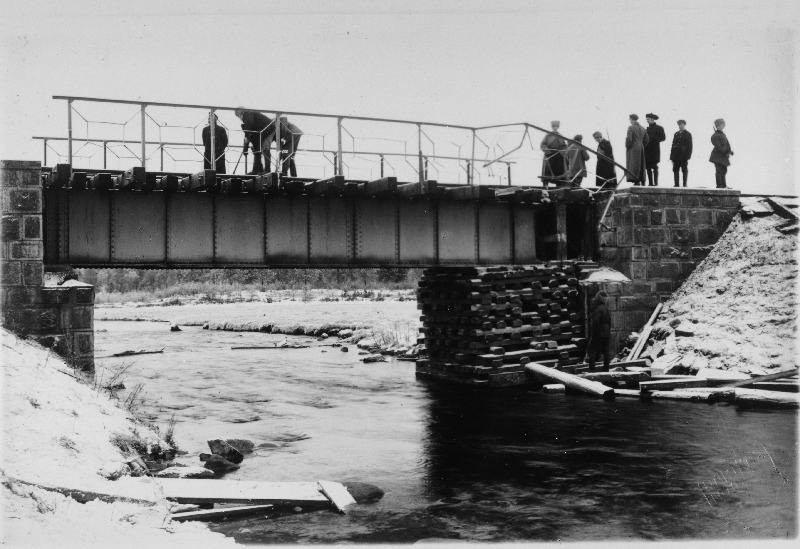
(212, 126)
(278, 146)
(339, 165)
(144, 160)
(509, 173)
(161, 153)
(381, 165)
(69, 132)
(105, 150)
(426, 168)
(419, 153)
(44, 159)
(471, 173)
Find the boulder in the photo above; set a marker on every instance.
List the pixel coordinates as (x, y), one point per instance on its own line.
(684, 329)
(216, 463)
(185, 472)
(175, 328)
(244, 446)
(374, 358)
(344, 349)
(347, 332)
(363, 492)
(222, 448)
(367, 343)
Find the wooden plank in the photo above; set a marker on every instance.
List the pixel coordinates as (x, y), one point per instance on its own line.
(169, 183)
(332, 186)
(692, 396)
(222, 513)
(474, 192)
(637, 348)
(573, 382)
(629, 393)
(766, 399)
(100, 182)
(409, 190)
(668, 384)
(337, 493)
(130, 180)
(781, 209)
(303, 494)
(769, 377)
(200, 181)
(783, 386)
(233, 185)
(606, 377)
(60, 176)
(385, 185)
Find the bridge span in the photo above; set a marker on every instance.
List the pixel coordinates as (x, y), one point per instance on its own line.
(143, 219)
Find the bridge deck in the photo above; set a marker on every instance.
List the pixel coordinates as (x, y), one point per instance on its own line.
(107, 218)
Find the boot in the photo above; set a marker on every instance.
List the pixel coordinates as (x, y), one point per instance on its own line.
(685, 178)
(257, 166)
(649, 177)
(655, 177)
(677, 177)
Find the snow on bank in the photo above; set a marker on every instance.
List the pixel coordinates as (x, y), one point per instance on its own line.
(738, 310)
(57, 432)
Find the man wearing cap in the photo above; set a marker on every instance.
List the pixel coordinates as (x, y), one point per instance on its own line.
(605, 173)
(721, 153)
(635, 142)
(577, 155)
(680, 153)
(220, 143)
(652, 150)
(554, 148)
(256, 127)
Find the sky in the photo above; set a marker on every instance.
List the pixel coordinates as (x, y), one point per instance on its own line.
(588, 64)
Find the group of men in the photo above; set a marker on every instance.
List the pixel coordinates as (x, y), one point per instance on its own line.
(260, 131)
(566, 164)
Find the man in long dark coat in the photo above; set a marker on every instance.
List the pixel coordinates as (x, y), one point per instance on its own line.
(721, 153)
(577, 155)
(220, 143)
(652, 150)
(600, 333)
(635, 142)
(681, 152)
(604, 173)
(554, 148)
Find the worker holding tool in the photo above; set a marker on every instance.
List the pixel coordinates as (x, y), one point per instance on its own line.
(290, 140)
(220, 143)
(256, 127)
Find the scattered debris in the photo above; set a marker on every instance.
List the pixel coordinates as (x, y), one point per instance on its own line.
(130, 353)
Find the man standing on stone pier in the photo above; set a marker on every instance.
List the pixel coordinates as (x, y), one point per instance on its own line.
(721, 153)
(681, 152)
(554, 148)
(577, 155)
(605, 174)
(652, 150)
(635, 142)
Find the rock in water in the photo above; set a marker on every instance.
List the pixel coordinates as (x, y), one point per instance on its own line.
(216, 463)
(185, 472)
(344, 350)
(244, 446)
(363, 492)
(174, 328)
(222, 448)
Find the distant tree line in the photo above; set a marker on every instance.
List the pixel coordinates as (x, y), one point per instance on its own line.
(131, 280)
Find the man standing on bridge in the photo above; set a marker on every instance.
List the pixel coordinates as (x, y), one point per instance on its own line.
(256, 127)
(652, 149)
(220, 143)
(635, 142)
(554, 148)
(681, 152)
(605, 174)
(721, 153)
(577, 155)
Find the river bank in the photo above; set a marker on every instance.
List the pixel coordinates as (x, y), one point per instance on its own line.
(61, 432)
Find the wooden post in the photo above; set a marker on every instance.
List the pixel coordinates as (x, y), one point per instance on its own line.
(573, 382)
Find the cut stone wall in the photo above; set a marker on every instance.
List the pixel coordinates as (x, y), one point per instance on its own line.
(659, 235)
(58, 316)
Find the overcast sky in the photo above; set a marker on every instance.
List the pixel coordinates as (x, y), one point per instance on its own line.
(589, 64)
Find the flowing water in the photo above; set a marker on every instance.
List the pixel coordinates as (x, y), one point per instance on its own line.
(455, 464)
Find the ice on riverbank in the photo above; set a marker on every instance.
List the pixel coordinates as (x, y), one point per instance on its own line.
(57, 432)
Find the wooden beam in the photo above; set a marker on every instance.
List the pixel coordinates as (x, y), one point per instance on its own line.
(409, 190)
(200, 181)
(473, 192)
(100, 182)
(59, 177)
(169, 183)
(337, 493)
(769, 377)
(293, 494)
(232, 185)
(640, 343)
(766, 399)
(615, 377)
(78, 181)
(782, 209)
(222, 513)
(130, 180)
(573, 382)
(672, 384)
(561, 231)
(326, 187)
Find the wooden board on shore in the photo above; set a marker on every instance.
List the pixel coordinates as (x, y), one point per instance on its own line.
(222, 513)
(668, 384)
(291, 494)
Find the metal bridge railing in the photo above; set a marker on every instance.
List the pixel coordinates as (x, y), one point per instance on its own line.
(486, 146)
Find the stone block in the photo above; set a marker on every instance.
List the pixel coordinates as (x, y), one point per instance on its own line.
(11, 228)
(27, 250)
(16, 175)
(691, 200)
(82, 317)
(673, 216)
(640, 217)
(625, 254)
(651, 200)
(53, 296)
(660, 269)
(20, 296)
(699, 217)
(626, 217)
(625, 236)
(33, 226)
(612, 302)
(32, 273)
(608, 238)
(707, 235)
(711, 201)
(730, 201)
(665, 286)
(85, 295)
(637, 236)
(634, 200)
(639, 287)
(654, 236)
(640, 253)
(633, 320)
(656, 217)
(631, 302)
(83, 343)
(699, 253)
(611, 288)
(23, 201)
(722, 219)
(48, 320)
(671, 198)
(687, 268)
(11, 273)
(655, 252)
(682, 236)
(638, 271)
(609, 254)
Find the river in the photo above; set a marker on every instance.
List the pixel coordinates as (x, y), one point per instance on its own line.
(455, 464)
